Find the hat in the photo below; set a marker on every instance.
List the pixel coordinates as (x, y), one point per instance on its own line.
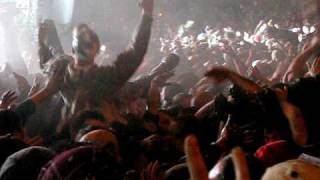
(276, 152)
(9, 146)
(293, 169)
(25, 163)
(81, 162)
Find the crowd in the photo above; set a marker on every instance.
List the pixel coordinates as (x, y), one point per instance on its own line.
(221, 104)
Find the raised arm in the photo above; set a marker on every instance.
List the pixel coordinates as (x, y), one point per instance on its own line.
(129, 60)
(240, 67)
(295, 69)
(49, 42)
(220, 73)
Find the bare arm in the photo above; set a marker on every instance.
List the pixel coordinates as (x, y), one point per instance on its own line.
(196, 165)
(52, 86)
(204, 110)
(296, 122)
(296, 66)
(244, 83)
(49, 42)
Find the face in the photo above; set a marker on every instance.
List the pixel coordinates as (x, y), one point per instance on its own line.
(85, 45)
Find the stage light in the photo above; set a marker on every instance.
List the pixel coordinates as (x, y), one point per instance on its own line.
(103, 48)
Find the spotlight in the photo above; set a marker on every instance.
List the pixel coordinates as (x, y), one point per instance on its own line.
(103, 48)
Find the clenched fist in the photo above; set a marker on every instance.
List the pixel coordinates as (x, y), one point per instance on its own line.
(147, 6)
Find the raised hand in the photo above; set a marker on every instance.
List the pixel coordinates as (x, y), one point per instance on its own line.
(44, 28)
(240, 164)
(7, 99)
(147, 6)
(196, 165)
(22, 82)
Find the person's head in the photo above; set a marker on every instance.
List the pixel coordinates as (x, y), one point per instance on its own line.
(85, 44)
(137, 107)
(185, 125)
(167, 116)
(9, 146)
(86, 119)
(167, 64)
(168, 92)
(104, 139)
(133, 90)
(10, 123)
(171, 61)
(25, 163)
(84, 162)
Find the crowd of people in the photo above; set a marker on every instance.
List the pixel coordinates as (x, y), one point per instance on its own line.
(221, 104)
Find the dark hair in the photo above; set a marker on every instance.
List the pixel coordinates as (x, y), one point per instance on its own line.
(172, 89)
(9, 146)
(186, 125)
(10, 122)
(77, 123)
(92, 35)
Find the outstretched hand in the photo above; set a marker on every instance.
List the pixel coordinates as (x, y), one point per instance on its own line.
(44, 28)
(7, 99)
(22, 82)
(147, 6)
